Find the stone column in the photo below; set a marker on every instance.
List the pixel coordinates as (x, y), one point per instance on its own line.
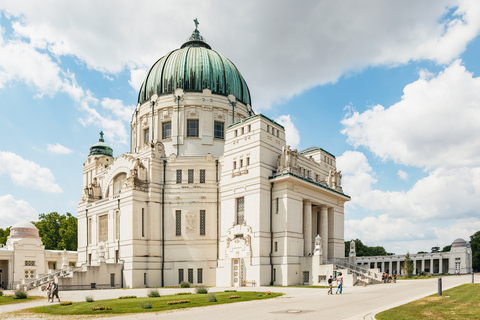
(440, 265)
(324, 231)
(307, 228)
(398, 267)
(10, 274)
(414, 266)
(422, 269)
(382, 266)
(390, 267)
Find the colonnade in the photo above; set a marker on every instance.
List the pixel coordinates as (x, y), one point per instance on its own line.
(315, 222)
(420, 264)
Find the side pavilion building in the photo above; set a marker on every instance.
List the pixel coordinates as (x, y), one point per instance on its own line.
(209, 192)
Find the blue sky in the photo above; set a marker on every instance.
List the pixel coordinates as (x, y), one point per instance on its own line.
(391, 89)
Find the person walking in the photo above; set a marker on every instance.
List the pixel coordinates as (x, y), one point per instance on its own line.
(339, 283)
(394, 277)
(55, 291)
(330, 284)
(49, 291)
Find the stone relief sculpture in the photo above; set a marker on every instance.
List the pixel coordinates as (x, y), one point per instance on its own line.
(191, 221)
(334, 180)
(352, 253)
(92, 192)
(287, 161)
(318, 246)
(137, 178)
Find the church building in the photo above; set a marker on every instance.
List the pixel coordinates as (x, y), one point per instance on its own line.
(209, 193)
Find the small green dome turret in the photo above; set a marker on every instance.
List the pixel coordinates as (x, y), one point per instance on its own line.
(101, 148)
(194, 67)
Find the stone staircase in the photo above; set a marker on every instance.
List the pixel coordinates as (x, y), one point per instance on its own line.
(363, 274)
(44, 279)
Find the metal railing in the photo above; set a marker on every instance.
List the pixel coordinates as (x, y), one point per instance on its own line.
(358, 270)
(61, 273)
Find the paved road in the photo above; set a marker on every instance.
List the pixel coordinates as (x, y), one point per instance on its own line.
(298, 303)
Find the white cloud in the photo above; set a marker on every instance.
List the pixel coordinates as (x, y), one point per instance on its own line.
(291, 133)
(435, 124)
(27, 173)
(377, 33)
(136, 78)
(14, 211)
(118, 109)
(402, 175)
(58, 148)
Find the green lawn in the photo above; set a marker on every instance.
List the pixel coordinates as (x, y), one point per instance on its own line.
(158, 304)
(9, 299)
(306, 286)
(462, 302)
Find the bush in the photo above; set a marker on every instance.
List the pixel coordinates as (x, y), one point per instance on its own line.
(66, 303)
(178, 302)
(185, 284)
(201, 290)
(127, 297)
(146, 305)
(89, 298)
(153, 293)
(230, 291)
(234, 297)
(182, 293)
(101, 308)
(20, 294)
(212, 297)
(1, 292)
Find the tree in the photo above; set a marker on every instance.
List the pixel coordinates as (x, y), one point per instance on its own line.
(447, 248)
(57, 231)
(435, 249)
(475, 245)
(408, 265)
(365, 251)
(4, 234)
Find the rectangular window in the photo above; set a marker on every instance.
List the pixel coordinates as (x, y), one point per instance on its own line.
(180, 275)
(276, 246)
(202, 176)
(249, 128)
(145, 279)
(116, 256)
(30, 263)
(268, 129)
(190, 175)
(276, 205)
(202, 222)
(192, 128)
(218, 130)
(273, 131)
(190, 275)
(178, 222)
(112, 279)
(146, 135)
(243, 130)
(241, 163)
(199, 275)
(167, 130)
(274, 274)
(117, 225)
(143, 222)
(240, 210)
(103, 228)
(248, 161)
(179, 176)
(278, 134)
(90, 225)
(234, 165)
(236, 133)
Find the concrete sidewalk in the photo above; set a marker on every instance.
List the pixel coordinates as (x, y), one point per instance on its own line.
(301, 303)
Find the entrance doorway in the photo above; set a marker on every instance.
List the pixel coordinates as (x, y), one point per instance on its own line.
(306, 277)
(238, 272)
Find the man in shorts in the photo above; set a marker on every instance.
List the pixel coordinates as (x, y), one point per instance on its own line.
(55, 291)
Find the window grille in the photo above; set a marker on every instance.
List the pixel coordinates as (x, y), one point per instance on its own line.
(276, 205)
(143, 222)
(190, 175)
(240, 210)
(179, 176)
(146, 135)
(178, 222)
(248, 161)
(167, 130)
(192, 128)
(199, 275)
(180, 275)
(202, 222)
(202, 176)
(219, 130)
(29, 263)
(234, 165)
(190, 275)
(241, 163)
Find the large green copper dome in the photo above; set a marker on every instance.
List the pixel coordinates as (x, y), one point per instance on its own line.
(194, 67)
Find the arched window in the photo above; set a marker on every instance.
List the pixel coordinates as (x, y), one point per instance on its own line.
(118, 183)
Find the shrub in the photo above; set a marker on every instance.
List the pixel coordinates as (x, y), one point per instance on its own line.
(230, 291)
(101, 308)
(178, 302)
(146, 305)
(127, 297)
(201, 290)
(89, 298)
(20, 294)
(66, 303)
(212, 297)
(259, 295)
(234, 297)
(1, 292)
(182, 293)
(153, 293)
(185, 284)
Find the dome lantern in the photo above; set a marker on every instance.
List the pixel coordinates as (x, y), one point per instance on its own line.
(101, 148)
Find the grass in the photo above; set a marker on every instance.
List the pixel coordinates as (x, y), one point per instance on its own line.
(306, 286)
(9, 299)
(158, 304)
(461, 302)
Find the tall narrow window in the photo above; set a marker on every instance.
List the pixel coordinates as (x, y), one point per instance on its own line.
(190, 175)
(178, 222)
(202, 222)
(144, 278)
(179, 176)
(274, 274)
(248, 161)
(276, 246)
(202, 175)
(103, 228)
(234, 165)
(143, 222)
(180, 275)
(146, 135)
(117, 225)
(276, 205)
(249, 128)
(199, 275)
(218, 130)
(240, 210)
(241, 163)
(192, 128)
(90, 233)
(190, 275)
(242, 130)
(167, 130)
